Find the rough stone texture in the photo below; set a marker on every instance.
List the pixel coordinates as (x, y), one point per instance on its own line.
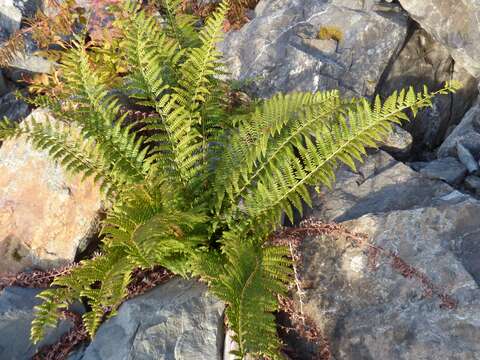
(3, 85)
(280, 50)
(28, 8)
(454, 23)
(472, 183)
(466, 158)
(398, 143)
(178, 320)
(381, 184)
(13, 108)
(10, 17)
(466, 133)
(45, 216)
(425, 61)
(381, 315)
(16, 315)
(378, 314)
(448, 169)
(24, 66)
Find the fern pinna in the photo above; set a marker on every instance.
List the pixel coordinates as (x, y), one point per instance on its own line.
(195, 187)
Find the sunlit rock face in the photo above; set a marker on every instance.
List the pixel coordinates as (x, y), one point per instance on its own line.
(45, 215)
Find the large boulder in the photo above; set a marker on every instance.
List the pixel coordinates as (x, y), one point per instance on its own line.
(46, 217)
(314, 45)
(380, 184)
(16, 315)
(178, 320)
(466, 133)
(361, 301)
(424, 61)
(455, 24)
(380, 314)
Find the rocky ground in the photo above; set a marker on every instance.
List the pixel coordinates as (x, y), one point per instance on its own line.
(415, 296)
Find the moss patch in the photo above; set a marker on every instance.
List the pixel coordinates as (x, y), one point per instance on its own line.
(330, 33)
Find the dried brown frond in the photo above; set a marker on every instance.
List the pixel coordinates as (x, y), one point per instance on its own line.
(11, 49)
(33, 279)
(236, 17)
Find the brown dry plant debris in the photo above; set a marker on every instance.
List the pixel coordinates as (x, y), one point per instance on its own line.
(142, 281)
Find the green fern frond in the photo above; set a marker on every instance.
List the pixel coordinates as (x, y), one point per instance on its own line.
(113, 273)
(9, 129)
(76, 155)
(269, 136)
(283, 188)
(180, 26)
(48, 313)
(203, 62)
(252, 278)
(98, 117)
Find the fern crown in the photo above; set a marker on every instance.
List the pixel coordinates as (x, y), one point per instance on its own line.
(194, 185)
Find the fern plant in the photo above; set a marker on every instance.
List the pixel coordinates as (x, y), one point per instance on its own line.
(195, 187)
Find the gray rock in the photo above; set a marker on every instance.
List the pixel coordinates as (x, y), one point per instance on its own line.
(25, 65)
(16, 315)
(454, 23)
(466, 133)
(13, 108)
(448, 169)
(28, 8)
(282, 50)
(417, 165)
(177, 320)
(424, 61)
(10, 17)
(3, 85)
(367, 309)
(466, 158)
(381, 184)
(472, 183)
(398, 143)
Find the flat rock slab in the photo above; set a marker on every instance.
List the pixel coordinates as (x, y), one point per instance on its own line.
(381, 184)
(45, 215)
(16, 315)
(178, 320)
(448, 169)
(282, 48)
